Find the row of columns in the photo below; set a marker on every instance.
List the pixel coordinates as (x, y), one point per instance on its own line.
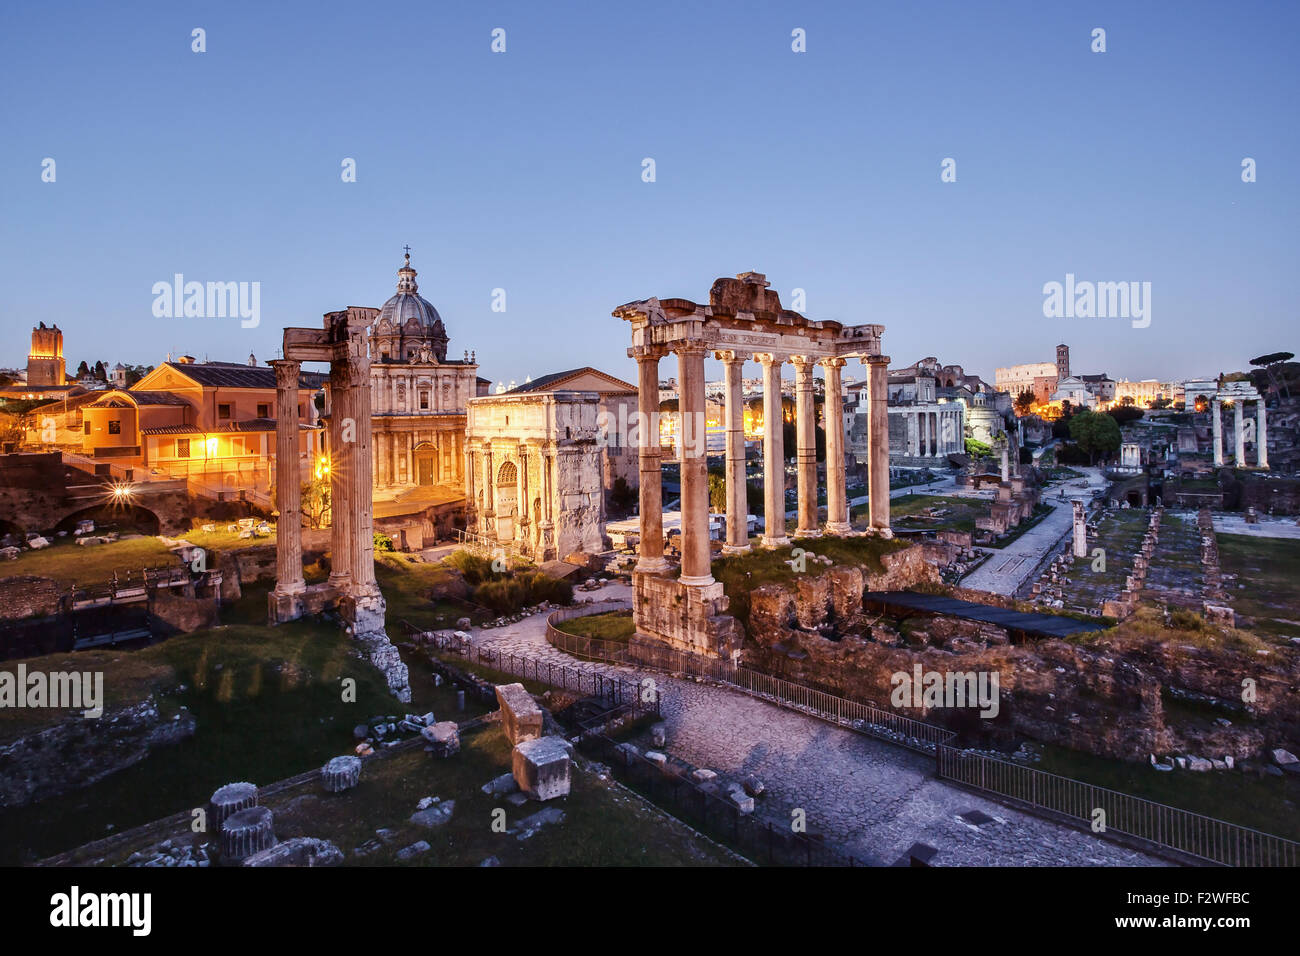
(934, 432)
(352, 568)
(694, 471)
(395, 448)
(1239, 433)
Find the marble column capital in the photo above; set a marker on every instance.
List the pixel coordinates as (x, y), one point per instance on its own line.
(829, 363)
(729, 356)
(769, 358)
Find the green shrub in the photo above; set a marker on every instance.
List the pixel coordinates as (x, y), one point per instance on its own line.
(505, 595)
(475, 567)
(383, 542)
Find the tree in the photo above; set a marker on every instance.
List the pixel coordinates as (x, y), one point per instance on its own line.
(1024, 402)
(1127, 400)
(1125, 413)
(717, 493)
(1160, 403)
(82, 370)
(1095, 434)
(1269, 363)
(316, 501)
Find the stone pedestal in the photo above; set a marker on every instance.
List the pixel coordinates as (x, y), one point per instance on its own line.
(229, 800)
(245, 833)
(341, 773)
(521, 718)
(542, 767)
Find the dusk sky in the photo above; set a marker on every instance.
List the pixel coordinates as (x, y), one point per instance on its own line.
(523, 171)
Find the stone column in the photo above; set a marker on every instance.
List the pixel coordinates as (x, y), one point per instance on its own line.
(489, 482)
(651, 551)
(1080, 531)
(878, 442)
(1261, 436)
(362, 490)
(695, 473)
(837, 502)
(1239, 433)
(923, 433)
(805, 446)
(737, 498)
(1006, 464)
(1216, 427)
(288, 491)
(524, 521)
(342, 421)
(773, 454)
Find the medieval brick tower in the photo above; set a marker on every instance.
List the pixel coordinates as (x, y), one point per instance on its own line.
(45, 361)
(1062, 363)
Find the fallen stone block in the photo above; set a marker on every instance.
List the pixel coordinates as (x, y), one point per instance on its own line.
(443, 738)
(300, 851)
(656, 758)
(542, 767)
(414, 850)
(521, 718)
(501, 786)
(1284, 757)
(659, 735)
(702, 775)
(435, 815)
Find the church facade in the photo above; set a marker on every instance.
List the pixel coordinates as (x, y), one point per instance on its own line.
(418, 395)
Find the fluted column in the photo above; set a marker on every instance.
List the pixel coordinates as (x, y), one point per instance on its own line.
(288, 489)
(1239, 433)
(651, 552)
(837, 503)
(1261, 435)
(773, 454)
(805, 446)
(487, 526)
(695, 473)
(342, 424)
(878, 442)
(1216, 428)
(737, 497)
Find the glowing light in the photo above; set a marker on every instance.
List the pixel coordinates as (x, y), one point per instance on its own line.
(322, 466)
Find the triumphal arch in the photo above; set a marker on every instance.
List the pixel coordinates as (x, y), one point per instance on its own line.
(351, 589)
(743, 321)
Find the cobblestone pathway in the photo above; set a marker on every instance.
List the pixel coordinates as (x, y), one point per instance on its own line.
(868, 798)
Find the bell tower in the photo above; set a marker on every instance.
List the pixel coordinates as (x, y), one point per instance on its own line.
(45, 361)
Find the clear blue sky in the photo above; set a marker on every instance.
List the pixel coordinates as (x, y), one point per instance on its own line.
(522, 171)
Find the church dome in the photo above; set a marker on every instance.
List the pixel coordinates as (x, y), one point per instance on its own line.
(407, 304)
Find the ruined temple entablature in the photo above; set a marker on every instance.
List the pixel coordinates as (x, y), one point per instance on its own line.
(745, 316)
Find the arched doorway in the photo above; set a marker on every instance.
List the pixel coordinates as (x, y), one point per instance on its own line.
(426, 463)
(506, 497)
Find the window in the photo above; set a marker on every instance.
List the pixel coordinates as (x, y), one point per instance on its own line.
(424, 398)
(264, 410)
(115, 426)
(182, 448)
(223, 410)
(86, 426)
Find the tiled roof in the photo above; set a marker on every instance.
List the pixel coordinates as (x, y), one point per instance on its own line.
(249, 425)
(157, 398)
(171, 430)
(547, 382)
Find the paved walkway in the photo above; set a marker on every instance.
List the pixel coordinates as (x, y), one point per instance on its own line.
(868, 798)
(1011, 567)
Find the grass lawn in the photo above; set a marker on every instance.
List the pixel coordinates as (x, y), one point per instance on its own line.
(604, 825)
(70, 563)
(906, 513)
(1267, 588)
(1265, 803)
(610, 626)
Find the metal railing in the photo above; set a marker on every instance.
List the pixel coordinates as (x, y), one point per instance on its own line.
(1160, 825)
(614, 691)
(1194, 834)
